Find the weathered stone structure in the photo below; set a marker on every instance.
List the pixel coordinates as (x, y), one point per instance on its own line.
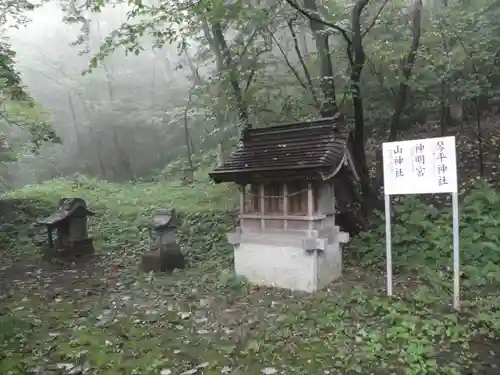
(166, 254)
(70, 222)
(287, 174)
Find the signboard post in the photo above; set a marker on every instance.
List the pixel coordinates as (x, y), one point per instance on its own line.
(422, 166)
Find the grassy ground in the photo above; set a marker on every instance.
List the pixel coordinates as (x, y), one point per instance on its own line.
(102, 316)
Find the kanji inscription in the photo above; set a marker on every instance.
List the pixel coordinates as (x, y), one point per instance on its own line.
(420, 166)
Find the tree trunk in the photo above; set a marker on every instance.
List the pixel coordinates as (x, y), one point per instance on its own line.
(220, 41)
(407, 67)
(187, 136)
(445, 111)
(480, 139)
(357, 58)
(402, 91)
(329, 103)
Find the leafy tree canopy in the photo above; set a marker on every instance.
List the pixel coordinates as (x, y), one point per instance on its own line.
(17, 108)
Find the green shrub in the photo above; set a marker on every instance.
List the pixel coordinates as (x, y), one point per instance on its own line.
(422, 237)
(204, 236)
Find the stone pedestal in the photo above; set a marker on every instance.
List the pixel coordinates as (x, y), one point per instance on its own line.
(165, 259)
(72, 249)
(297, 261)
(166, 254)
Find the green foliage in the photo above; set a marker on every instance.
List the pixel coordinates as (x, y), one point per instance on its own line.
(10, 80)
(13, 331)
(422, 237)
(35, 123)
(12, 15)
(17, 108)
(204, 234)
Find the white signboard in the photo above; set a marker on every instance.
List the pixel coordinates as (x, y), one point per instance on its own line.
(421, 166)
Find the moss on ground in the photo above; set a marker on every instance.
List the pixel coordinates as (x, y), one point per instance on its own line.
(105, 317)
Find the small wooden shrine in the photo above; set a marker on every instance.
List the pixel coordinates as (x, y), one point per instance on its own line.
(70, 222)
(287, 236)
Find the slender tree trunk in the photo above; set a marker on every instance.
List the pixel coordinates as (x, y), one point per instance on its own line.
(445, 111)
(401, 94)
(407, 67)
(329, 103)
(220, 41)
(357, 59)
(480, 139)
(187, 136)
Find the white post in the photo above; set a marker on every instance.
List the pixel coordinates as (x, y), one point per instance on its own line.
(456, 252)
(388, 243)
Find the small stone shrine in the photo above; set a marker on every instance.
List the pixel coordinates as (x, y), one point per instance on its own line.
(287, 236)
(70, 222)
(166, 254)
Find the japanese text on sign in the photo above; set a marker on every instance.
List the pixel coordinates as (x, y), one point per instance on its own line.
(421, 166)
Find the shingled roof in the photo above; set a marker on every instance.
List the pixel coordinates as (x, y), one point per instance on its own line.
(289, 151)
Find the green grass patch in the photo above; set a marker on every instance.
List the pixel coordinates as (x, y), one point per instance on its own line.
(122, 212)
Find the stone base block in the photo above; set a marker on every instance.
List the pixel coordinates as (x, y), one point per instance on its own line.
(288, 267)
(165, 259)
(74, 249)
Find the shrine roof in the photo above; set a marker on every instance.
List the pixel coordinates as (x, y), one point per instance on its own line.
(67, 207)
(293, 150)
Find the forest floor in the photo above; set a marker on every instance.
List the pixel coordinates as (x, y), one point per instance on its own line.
(103, 316)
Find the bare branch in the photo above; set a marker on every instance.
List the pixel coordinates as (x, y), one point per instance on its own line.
(313, 17)
(249, 80)
(301, 58)
(294, 71)
(287, 61)
(374, 21)
(250, 40)
(378, 75)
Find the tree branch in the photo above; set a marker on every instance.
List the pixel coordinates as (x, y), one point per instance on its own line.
(374, 21)
(316, 18)
(293, 70)
(249, 80)
(379, 77)
(301, 59)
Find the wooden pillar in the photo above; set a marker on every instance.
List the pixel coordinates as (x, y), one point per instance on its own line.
(334, 204)
(285, 206)
(310, 204)
(220, 154)
(242, 203)
(262, 208)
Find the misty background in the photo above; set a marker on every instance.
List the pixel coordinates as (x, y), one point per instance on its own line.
(126, 119)
(119, 122)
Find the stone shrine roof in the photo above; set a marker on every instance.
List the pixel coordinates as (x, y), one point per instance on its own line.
(67, 207)
(298, 150)
(165, 218)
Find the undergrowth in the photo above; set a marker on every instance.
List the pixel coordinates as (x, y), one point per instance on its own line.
(123, 212)
(422, 238)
